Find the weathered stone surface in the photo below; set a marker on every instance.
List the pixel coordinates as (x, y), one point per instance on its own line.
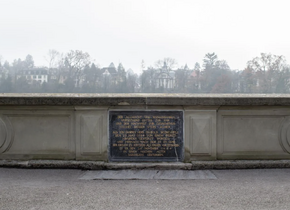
(161, 166)
(60, 164)
(91, 134)
(76, 126)
(177, 99)
(100, 165)
(251, 134)
(200, 134)
(39, 134)
(240, 164)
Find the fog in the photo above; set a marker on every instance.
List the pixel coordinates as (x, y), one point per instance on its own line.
(123, 46)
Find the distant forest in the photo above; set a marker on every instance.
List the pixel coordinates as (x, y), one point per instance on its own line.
(74, 72)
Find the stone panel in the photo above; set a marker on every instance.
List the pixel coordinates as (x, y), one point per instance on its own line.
(284, 136)
(91, 134)
(6, 134)
(39, 134)
(200, 134)
(250, 134)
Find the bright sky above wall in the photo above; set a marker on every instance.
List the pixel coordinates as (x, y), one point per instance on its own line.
(130, 31)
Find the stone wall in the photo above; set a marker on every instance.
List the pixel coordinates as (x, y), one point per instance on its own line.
(75, 126)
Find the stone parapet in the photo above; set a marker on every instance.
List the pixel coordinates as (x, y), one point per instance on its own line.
(75, 127)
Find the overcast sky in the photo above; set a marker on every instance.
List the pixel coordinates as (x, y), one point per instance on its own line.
(128, 31)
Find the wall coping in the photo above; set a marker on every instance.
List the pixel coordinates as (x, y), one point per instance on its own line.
(148, 99)
(101, 165)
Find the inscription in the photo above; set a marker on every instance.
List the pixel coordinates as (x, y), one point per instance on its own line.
(146, 135)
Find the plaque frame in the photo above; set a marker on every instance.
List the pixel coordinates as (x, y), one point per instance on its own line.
(179, 157)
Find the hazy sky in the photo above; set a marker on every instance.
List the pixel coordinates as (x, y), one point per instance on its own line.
(128, 31)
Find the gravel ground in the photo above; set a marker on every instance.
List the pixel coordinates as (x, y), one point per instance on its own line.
(52, 189)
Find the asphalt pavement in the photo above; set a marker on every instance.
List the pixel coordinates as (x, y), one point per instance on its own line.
(63, 189)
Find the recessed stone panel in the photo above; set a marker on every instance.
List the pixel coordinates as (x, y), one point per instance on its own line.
(251, 134)
(91, 134)
(6, 134)
(200, 134)
(40, 135)
(3, 133)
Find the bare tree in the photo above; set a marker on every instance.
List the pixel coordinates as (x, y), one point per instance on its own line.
(169, 62)
(267, 62)
(53, 58)
(75, 61)
(267, 69)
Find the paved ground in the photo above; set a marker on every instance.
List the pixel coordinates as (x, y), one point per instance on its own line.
(148, 174)
(51, 189)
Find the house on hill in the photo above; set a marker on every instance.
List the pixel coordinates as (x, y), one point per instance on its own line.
(111, 70)
(39, 75)
(165, 77)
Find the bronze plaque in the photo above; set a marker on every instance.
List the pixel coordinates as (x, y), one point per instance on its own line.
(146, 135)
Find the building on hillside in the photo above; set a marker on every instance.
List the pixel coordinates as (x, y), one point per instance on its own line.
(108, 76)
(111, 70)
(187, 80)
(39, 75)
(63, 77)
(165, 78)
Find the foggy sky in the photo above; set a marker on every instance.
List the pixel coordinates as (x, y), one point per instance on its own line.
(128, 31)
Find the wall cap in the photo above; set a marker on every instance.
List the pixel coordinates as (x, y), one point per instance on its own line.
(149, 99)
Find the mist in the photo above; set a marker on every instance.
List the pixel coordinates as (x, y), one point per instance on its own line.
(144, 46)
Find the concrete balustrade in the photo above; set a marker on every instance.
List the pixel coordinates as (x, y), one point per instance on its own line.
(75, 126)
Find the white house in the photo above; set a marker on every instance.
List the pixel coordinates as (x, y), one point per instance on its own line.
(36, 74)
